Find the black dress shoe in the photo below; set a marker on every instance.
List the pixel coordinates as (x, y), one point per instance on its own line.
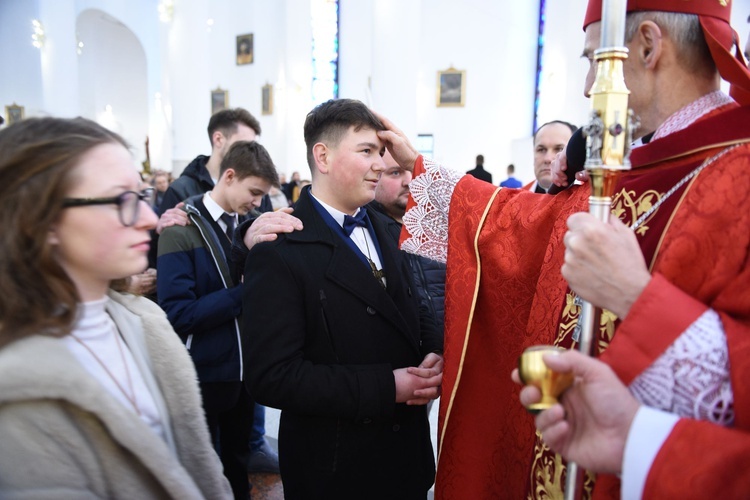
(263, 459)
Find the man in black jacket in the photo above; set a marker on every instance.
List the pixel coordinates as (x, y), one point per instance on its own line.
(391, 196)
(334, 331)
(224, 129)
(203, 301)
(479, 172)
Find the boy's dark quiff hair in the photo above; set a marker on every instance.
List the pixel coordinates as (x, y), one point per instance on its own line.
(328, 122)
(227, 120)
(249, 159)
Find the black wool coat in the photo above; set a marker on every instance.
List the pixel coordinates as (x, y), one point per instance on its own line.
(323, 340)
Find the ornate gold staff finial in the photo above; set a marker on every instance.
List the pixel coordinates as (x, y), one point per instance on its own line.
(608, 136)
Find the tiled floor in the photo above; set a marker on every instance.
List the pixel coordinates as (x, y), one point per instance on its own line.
(268, 486)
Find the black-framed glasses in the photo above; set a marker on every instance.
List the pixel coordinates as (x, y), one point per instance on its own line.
(128, 204)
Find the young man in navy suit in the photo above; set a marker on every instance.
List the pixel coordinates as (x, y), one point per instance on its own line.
(203, 300)
(334, 330)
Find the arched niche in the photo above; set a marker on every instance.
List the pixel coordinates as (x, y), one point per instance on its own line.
(112, 77)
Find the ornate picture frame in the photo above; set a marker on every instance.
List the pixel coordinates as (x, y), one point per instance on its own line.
(14, 114)
(451, 87)
(219, 100)
(245, 53)
(266, 99)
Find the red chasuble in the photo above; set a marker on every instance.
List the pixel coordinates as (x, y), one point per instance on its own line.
(505, 293)
(701, 460)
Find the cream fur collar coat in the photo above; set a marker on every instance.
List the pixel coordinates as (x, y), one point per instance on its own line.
(62, 435)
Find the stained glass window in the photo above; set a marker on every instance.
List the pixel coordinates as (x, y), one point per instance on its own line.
(325, 50)
(539, 54)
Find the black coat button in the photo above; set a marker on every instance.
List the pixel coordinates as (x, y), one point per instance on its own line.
(396, 428)
(370, 311)
(367, 421)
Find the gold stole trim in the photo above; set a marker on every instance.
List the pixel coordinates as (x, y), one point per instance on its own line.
(470, 320)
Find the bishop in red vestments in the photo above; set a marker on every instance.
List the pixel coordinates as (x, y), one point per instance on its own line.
(685, 201)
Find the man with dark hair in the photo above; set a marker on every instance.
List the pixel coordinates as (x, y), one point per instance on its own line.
(335, 335)
(224, 128)
(203, 301)
(391, 197)
(511, 182)
(549, 139)
(160, 181)
(674, 251)
(479, 172)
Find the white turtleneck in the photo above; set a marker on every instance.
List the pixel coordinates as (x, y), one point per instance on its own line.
(95, 328)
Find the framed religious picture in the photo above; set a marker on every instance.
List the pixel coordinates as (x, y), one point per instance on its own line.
(13, 113)
(451, 87)
(219, 100)
(244, 49)
(266, 99)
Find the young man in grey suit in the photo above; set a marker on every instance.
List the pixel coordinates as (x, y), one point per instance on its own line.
(334, 330)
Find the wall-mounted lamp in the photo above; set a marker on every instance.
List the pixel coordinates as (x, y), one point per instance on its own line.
(37, 37)
(166, 11)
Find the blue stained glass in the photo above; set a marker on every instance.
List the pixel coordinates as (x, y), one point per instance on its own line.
(539, 54)
(325, 52)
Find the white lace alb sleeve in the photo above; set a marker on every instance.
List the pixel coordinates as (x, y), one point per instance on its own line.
(691, 379)
(427, 221)
(649, 430)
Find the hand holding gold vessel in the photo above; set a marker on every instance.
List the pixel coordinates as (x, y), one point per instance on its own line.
(533, 371)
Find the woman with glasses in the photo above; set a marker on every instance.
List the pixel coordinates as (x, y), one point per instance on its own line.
(98, 397)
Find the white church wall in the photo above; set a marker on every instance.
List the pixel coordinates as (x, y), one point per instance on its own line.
(390, 53)
(21, 62)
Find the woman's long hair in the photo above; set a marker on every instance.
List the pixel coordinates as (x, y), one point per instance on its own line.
(37, 157)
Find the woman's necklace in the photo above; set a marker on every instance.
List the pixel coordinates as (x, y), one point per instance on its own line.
(130, 397)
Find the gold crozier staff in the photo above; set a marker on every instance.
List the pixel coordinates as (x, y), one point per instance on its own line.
(608, 136)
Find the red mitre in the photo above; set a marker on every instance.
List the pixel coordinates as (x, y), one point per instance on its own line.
(721, 38)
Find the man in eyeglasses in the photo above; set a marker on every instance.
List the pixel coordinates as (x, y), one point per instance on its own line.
(203, 300)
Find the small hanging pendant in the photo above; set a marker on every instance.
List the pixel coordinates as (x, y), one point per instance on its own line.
(379, 274)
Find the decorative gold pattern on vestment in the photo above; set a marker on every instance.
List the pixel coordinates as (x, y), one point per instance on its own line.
(547, 467)
(547, 475)
(569, 320)
(627, 208)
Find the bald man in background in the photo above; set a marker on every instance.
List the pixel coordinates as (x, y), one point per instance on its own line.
(549, 139)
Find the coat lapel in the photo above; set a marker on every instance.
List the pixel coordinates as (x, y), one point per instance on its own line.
(347, 270)
(221, 236)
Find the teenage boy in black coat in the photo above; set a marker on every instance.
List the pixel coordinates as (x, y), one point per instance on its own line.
(334, 331)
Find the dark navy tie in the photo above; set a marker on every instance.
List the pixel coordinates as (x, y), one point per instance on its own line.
(350, 223)
(229, 221)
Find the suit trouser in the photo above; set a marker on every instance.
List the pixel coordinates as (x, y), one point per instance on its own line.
(229, 412)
